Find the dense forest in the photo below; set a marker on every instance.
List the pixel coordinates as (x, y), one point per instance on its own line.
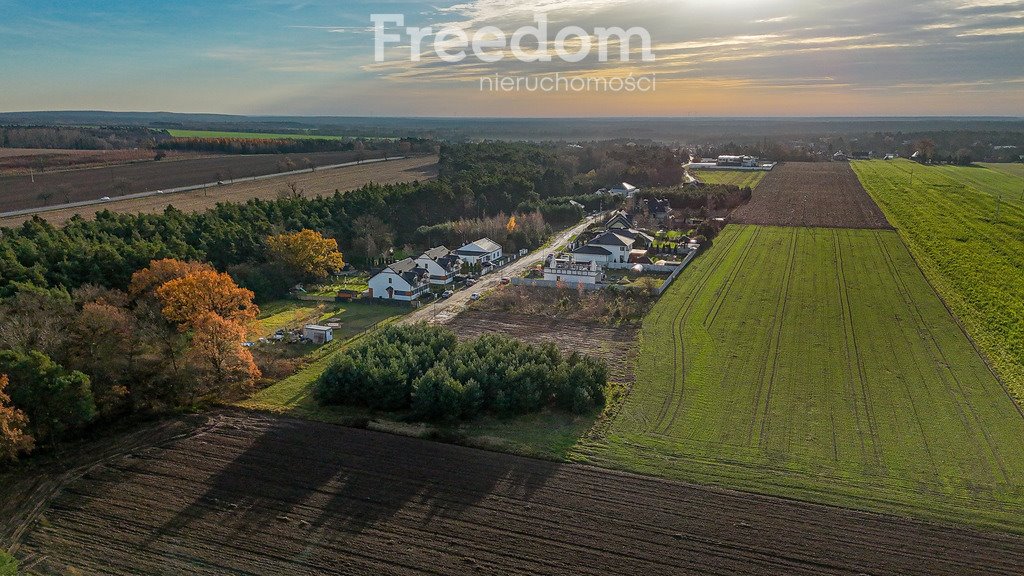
(79, 138)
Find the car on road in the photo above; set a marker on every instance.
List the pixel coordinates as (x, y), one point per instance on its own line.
(105, 199)
(447, 294)
(474, 296)
(470, 281)
(505, 281)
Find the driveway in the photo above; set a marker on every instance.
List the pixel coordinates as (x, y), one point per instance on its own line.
(441, 311)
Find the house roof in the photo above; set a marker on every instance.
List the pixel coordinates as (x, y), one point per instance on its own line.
(658, 205)
(625, 186)
(403, 266)
(449, 262)
(318, 328)
(619, 216)
(592, 250)
(481, 246)
(435, 253)
(612, 239)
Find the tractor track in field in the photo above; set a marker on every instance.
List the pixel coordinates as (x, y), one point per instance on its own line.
(723, 294)
(862, 383)
(256, 494)
(780, 322)
(848, 336)
(939, 360)
(679, 359)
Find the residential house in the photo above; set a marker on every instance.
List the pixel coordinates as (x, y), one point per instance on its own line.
(640, 239)
(597, 254)
(659, 208)
(441, 264)
(619, 220)
(573, 273)
(403, 281)
(483, 252)
(624, 189)
(607, 248)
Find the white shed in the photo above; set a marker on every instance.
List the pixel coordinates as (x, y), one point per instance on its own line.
(318, 334)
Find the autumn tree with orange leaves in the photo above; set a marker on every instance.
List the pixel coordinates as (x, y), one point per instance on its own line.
(188, 299)
(213, 313)
(160, 272)
(13, 422)
(306, 255)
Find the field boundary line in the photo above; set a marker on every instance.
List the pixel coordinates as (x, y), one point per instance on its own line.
(933, 279)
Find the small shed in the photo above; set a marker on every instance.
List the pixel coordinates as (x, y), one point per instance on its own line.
(318, 334)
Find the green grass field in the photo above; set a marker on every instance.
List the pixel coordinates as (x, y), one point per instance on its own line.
(946, 217)
(249, 135)
(739, 178)
(819, 364)
(1015, 169)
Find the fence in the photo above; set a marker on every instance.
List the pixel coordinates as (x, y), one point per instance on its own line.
(538, 283)
(679, 269)
(647, 267)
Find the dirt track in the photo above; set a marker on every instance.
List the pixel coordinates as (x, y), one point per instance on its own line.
(249, 494)
(312, 184)
(812, 194)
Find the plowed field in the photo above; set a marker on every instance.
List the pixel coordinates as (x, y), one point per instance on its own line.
(21, 192)
(818, 194)
(247, 494)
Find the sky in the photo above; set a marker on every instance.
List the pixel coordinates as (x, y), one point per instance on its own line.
(312, 57)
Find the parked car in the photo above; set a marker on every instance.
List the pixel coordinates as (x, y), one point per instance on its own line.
(447, 294)
(470, 281)
(474, 296)
(505, 281)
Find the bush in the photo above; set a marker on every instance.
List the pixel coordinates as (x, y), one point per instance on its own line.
(8, 565)
(424, 369)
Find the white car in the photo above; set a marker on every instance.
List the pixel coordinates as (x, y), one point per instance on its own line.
(447, 294)
(474, 296)
(105, 199)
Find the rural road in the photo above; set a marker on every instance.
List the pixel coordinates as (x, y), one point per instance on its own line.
(441, 311)
(55, 207)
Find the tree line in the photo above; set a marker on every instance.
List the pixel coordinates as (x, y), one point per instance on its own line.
(79, 138)
(232, 237)
(425, 370)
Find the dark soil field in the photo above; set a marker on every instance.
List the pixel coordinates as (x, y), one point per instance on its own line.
(20, 192)
(246, 494)
(615, 345)
(812, 194)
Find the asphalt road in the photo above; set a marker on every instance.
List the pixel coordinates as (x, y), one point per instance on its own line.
(441, 311)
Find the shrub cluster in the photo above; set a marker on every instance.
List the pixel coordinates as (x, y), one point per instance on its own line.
(425, 369)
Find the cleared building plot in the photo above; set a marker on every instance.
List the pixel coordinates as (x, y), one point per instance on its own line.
(822, 194)
(615, 345)
(820, 364)
(739, 178)
(245, 494)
